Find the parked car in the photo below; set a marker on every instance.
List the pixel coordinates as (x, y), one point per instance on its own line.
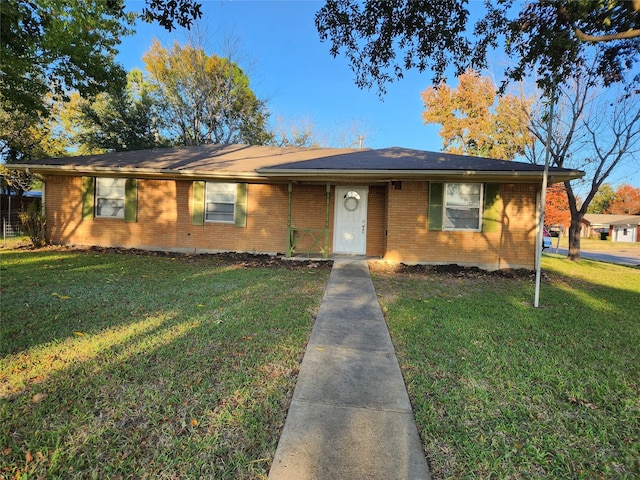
(546, 239)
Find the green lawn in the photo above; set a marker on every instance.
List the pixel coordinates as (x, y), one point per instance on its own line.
(503, 390)
(116, 365)
(147, 366)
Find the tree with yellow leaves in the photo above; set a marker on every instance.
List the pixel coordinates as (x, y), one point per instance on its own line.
(475, 120)
(205, 99)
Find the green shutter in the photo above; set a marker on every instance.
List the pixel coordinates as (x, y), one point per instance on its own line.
(491, 214)
(88, 193)
(197, 215)
(241, 205)
(436, 199)
(130, 200)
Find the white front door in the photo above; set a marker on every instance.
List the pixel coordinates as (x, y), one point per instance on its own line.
(350, 227)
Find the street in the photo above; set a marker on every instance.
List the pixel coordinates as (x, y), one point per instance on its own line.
(621, 256)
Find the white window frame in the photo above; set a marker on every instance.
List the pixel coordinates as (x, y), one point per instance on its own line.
(110, 197)
(449, 204)
(217, 196)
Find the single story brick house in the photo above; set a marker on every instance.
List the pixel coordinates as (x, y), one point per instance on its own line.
(618, 228)
(393, 203)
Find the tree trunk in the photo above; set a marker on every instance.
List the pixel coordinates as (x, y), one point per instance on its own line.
(574, 237)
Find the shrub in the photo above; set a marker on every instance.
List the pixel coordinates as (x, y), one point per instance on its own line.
(33, 221)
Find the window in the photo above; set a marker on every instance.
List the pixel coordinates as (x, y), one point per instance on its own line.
(462, 206)
(220, 202)
(110, 197)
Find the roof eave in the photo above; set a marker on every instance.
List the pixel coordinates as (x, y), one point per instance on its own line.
(395, 175)
(299, 174)
(136, 172)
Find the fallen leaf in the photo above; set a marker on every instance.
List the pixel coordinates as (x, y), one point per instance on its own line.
(28, 457)
(78, 334)
(194, 422)
(200, 305)
(38, 397)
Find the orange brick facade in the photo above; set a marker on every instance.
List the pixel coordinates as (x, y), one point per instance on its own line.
(397, 228)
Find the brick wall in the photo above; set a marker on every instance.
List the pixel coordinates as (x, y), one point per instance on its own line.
(397, 223)
(410, 240)
(164, 219)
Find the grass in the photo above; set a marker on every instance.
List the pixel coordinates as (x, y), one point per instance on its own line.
(593, 245)
(116, 365)
(503, 390)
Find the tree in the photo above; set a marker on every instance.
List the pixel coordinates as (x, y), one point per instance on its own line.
(55, 46)
(123, 121)
(477, 122)
(627, 201)
(604, 197)
(557, 211)
(382, 39)
(291, 135)
(590, 132)
(206, 99)
(23, 137)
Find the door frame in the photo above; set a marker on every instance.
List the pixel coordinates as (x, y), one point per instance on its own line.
(341, 190)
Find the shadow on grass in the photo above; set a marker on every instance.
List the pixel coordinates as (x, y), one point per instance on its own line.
(195, 384)
(50, 295)
(502, 389)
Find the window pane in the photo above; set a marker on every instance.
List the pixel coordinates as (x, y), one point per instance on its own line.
(467, 219)
(463, 194)
(220, 203)
(110, 187)
(221, 192)
(110, 197)
(462, 206)
(219, 212)
(107, 207)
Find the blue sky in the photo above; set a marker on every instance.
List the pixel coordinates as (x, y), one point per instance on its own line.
(292, 69)
(277, 45)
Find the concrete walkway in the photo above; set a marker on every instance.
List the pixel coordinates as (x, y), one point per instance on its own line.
(350, 417)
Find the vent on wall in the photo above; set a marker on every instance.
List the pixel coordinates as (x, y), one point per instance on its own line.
(396, 185)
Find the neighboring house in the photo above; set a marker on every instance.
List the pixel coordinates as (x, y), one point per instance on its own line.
(619, 228)
(626, 229)
(396, 204)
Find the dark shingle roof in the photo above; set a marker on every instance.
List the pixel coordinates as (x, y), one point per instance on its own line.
(243, 161)
(396, 158)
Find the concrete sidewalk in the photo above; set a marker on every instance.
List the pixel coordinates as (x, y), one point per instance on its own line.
(350, 417)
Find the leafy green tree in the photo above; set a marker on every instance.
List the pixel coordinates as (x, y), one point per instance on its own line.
(23, 136)
(475, 120)
(603, 198)
(53, 46)
(383, 38)
(56, 46)
(206, 99)
(122, 121)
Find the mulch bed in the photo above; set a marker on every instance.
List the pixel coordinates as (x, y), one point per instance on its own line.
(251, 260)
(244, 260)
(450, 270)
